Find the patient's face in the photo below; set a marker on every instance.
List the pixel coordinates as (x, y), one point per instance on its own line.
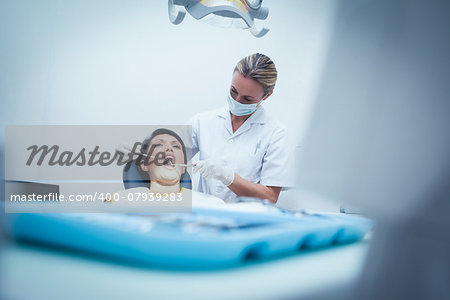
(167, 173)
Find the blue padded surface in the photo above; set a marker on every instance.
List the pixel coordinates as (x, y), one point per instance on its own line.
(204, 239)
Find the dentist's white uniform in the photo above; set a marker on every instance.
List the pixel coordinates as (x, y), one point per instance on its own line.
(258, 151)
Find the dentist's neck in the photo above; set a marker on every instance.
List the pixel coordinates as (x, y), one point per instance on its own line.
(237, 121)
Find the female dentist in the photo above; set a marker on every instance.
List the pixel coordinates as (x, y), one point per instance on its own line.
(243, 152)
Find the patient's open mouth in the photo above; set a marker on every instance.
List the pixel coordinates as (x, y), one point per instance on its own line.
(169, 161)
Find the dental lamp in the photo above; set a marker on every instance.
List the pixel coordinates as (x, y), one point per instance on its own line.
(231, 13)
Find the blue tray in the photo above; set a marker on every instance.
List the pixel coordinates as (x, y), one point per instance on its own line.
(204, 239)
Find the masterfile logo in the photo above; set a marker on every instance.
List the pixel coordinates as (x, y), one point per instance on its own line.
(53, 155)
(98, 168)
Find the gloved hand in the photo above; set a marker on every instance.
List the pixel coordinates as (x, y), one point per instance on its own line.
(211, 169)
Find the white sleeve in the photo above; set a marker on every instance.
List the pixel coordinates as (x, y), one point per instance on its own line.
(194, 122)
(277, 168)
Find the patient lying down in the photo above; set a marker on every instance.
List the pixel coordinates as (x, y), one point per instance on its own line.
(163, 166)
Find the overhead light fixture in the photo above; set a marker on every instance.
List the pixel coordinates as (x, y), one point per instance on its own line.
(228, 13)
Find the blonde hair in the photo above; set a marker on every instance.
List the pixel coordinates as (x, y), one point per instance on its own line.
(260, 68)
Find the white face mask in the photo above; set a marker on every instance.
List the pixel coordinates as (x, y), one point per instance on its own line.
(239, 109)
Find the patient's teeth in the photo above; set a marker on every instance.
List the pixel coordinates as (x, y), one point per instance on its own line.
(169, 161)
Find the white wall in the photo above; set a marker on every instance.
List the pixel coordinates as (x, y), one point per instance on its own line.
(123, 62)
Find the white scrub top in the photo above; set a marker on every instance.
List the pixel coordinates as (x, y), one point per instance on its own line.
(257, 151)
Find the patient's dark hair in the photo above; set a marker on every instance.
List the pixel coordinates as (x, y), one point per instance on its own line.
(145, 147)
